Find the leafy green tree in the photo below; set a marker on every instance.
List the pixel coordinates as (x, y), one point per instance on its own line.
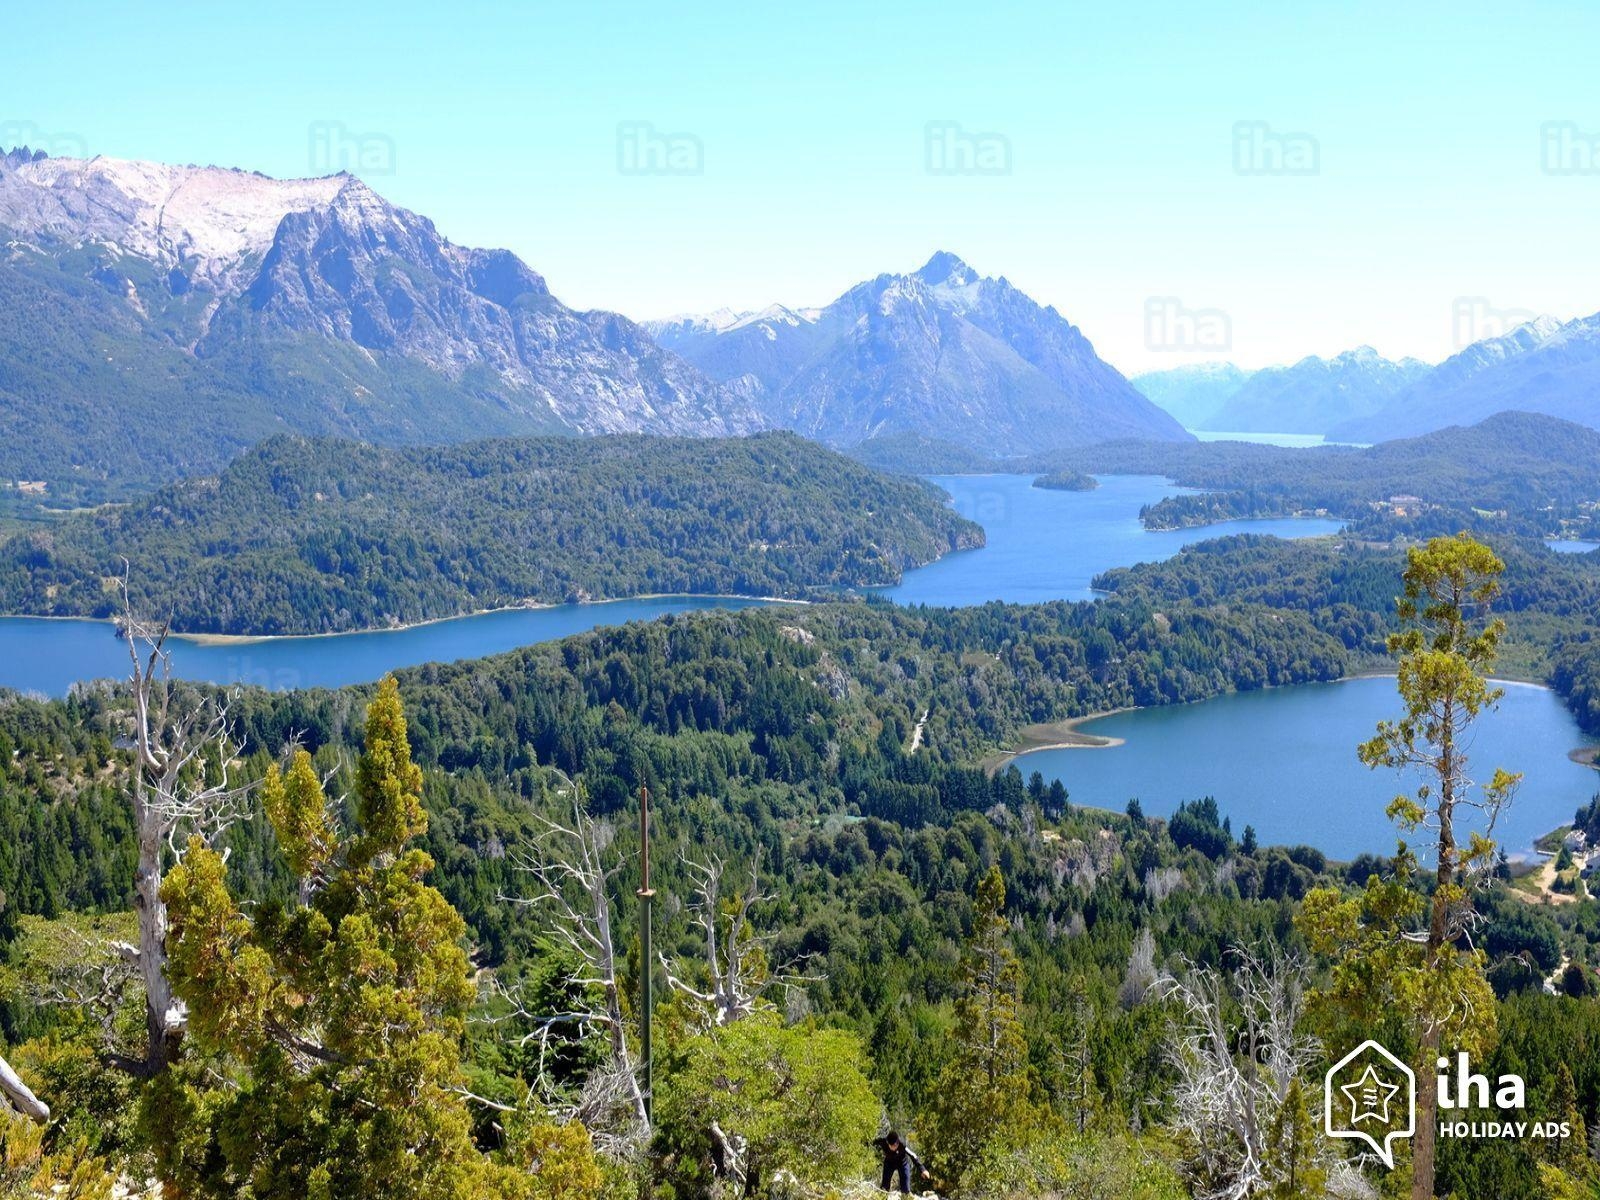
(558, 1161)
(1444, 652)
(796, 1098)
(984, 1099)
(337, 1020)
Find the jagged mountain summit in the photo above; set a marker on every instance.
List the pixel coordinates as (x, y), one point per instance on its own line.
(1315, 394)
(171, 315)
(1543, 366)
(942, 352)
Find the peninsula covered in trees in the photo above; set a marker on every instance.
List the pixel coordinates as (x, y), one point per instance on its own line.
(1549, 601)
(316, 536)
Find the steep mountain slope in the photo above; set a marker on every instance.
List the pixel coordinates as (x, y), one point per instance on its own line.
(1315, 394)
(169, 316)
(942, 352)
(1543, 366)
(317, 535)
(915, 454)
(1192, 394)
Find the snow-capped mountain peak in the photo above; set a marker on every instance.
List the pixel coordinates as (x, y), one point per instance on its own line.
(211, 216)
(315, 306)
(725, 320)
(940, 351)
(773, 314)
(1314, 394)
(1541, 366)
(945, 268)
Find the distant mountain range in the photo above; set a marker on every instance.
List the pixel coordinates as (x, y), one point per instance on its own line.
(1310, 396)
(1544, 366)
(1315, 394)
(154, 320)
(942, 352)
(1195, 393)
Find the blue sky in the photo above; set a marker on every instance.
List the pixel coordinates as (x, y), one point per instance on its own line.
(1114, 182)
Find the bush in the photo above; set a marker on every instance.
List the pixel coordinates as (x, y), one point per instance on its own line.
(1074, 1167)
(797, 1096)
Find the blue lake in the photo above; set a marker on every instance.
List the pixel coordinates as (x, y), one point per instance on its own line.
(1566, 546)
(1298, 441)
(1284, 761)
(1281, 760)
(1047, 545)
(43, 655)
(1043, 545)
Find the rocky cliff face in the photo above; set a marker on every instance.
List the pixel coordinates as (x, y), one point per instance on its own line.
(314, 306)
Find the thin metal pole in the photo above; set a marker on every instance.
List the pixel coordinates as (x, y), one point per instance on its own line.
(646, 895)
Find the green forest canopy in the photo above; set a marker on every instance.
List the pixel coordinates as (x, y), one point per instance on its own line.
(315, 536)
(785, 734)
(1512, 473)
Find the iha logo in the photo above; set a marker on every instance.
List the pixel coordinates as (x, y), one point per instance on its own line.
(642, 149)
(1470, 1091)
(949, 148)
(332, 146)
(1371, 1096)
(1258, 149)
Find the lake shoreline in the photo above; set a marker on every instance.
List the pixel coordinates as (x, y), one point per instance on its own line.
(248, 639)
(1054, 735)
(1066, 735)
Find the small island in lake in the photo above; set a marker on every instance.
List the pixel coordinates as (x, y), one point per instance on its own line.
(1065, 479)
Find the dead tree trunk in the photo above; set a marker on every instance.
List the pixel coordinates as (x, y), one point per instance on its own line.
(572, 872)
(181, 788)
(21, 1097)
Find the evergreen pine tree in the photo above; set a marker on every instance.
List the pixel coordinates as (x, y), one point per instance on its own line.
(1569, 1152)
(337, 1021)
(1291, 1150)
(984, 1093)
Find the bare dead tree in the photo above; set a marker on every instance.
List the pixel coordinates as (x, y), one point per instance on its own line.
(20, 1097)
(728, 1158)
(1141, 975)
(182, 787)
(735, 963)
(87, 973)
(1232, 1081)
(571, 869)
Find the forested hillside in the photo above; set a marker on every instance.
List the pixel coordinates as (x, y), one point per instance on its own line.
(776, 742)
(316, 536)
(918, 454)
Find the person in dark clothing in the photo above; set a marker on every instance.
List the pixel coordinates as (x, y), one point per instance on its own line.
(898, 1159)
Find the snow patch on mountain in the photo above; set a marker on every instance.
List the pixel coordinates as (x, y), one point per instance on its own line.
(942, 352)
(167, 214)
